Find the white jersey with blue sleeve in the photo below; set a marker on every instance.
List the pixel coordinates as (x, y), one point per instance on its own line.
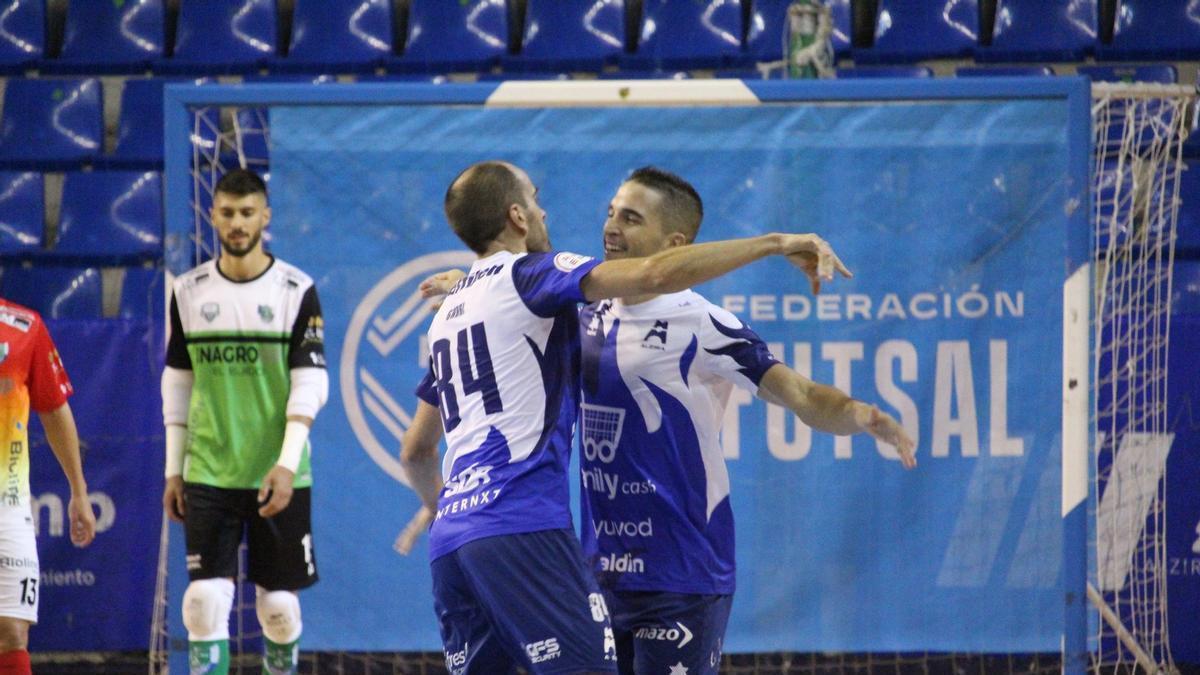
(504, 367)
(656, 378)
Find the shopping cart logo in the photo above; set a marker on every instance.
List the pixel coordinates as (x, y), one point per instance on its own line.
(601, 431)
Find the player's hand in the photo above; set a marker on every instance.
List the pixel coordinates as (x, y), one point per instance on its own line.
(83, 521)
(412, 531)
(276, 491)
(436, 286)
(815, 257)
(173, 500)
(885, 428)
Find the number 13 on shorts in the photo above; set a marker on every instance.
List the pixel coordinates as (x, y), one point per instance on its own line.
(600, 615)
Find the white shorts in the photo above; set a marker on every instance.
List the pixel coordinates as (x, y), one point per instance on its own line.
(20, 574)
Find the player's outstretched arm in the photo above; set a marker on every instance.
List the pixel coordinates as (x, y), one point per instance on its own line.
(685, 266)
(828, 409)
(64, 441)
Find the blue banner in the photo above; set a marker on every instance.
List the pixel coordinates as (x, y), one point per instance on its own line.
(954, 216)
(114, 365)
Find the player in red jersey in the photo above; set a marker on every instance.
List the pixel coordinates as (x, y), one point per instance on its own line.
(31, 376)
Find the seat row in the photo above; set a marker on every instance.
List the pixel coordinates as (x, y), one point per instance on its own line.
(113, 217)
(213, 37)
(72, 292)
(52, 123)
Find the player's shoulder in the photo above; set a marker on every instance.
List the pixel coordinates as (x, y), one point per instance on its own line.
(291, 276)
(692, 305)
(199, 275)
(18, 317)
(563, 261)
(713, 314)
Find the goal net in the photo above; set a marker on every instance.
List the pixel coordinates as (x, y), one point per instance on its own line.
(1138, 134)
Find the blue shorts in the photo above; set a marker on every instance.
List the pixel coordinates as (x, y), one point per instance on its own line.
(668, 632)
(525, 600)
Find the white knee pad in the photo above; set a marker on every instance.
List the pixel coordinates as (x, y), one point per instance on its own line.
(279, 615)
(206, 605)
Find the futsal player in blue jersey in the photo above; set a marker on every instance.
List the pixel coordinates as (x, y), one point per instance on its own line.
(511, 586)
(657, 373)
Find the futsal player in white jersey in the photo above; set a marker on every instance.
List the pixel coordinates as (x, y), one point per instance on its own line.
(511, 587)
(657, 372)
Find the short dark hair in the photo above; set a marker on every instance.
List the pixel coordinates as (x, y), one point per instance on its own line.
(477, 202)
(241, 182)
(682, 207)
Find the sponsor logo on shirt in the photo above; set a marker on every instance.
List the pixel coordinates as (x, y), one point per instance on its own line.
(470, 279)
(601, 431)
(469, 479)
(609, 484)
(209, 311)
(624, 528)
(227, 354)
(543, 650)
(565, 262)
(21, 322)
(622, 564)
(9, 562)
(314, 333)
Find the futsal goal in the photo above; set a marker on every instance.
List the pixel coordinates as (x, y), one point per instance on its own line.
(1012, 241)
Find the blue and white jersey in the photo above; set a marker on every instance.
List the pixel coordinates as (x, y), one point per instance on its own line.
(504, 372)
(656, 378)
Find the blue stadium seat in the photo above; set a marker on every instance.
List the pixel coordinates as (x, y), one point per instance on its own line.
(566, 35)
(1188, 229)
(1154, 30)
(216, 37)
(459, 36)
(768, 26)
(1042, 30)
(111, 37)
(1005, 71)
(682, 35)
(883, 71)
(22, 34)
(55, 292)
(338, 36)
(907, 31)
(111, 215)
(142, 294)
(51, 123)
(140, 125)
(1162, 73)
(22, 209)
